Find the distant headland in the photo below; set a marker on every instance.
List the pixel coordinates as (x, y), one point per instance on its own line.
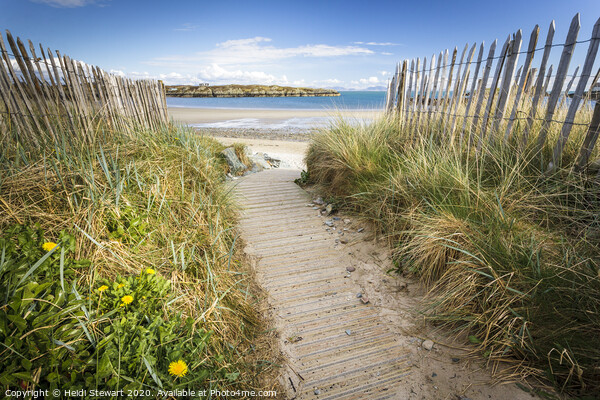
(204, 90)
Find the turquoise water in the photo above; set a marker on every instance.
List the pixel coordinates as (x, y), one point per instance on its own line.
(354, 100)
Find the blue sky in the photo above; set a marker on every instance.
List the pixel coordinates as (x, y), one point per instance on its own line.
(349, 44)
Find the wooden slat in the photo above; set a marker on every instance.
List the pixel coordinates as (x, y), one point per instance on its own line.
(401, 96)
(481, 95)
(590, 139)
(411, 74)
(428, 88)
(421, 92)
(507, 78)
(473, 91)
(531, 80)
(440, 89)
(446, 95)
(461, 90)
(530, 53)
(417, 83)
(17, 87)
(577, 96)
(453, 99)
(559, 80)
(435, 88)
(492, 94)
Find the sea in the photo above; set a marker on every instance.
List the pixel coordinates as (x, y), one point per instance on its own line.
(347, 101)
(351, 100)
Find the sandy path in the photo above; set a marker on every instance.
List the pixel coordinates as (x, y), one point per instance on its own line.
(291, 154)
(318, 273)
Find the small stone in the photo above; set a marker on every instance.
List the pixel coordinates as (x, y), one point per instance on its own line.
(343, 241)
(433, 375)
(315, 208)
(317, 391)
(455, 359)
(319, 201)
(329, 209)
(360, 230)
(329, 223)
(347, 221)
(364, 299)
(358, 295)
(350, 269)
(427, 345)
(348, 332)
(336, 218)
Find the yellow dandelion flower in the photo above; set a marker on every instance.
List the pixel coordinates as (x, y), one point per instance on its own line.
(120, 285)
(150, 271)
(178, 368)
(102, 288)
(49, 246)
(127, 299)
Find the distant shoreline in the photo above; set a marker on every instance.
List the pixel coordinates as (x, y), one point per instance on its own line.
(228, 91)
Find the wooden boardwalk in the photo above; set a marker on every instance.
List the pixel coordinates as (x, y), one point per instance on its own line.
(337, 347)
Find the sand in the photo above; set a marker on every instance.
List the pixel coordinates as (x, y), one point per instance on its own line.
(291, 154)
(212, 115)
(287, 145)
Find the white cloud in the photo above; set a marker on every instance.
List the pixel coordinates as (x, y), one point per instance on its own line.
(372, 80)
(384, 73)
(378, 43)
(387, 54)
(187, 27)
(216, 73)
(256, 51)
(67, 3)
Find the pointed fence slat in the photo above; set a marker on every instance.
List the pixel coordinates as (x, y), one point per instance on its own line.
(446, 95)
(434, 95)
(577, 96)
(42, 95)
(506, 85)
(525, 74)
(561, 74)
(492, 94)
(472, 91)
(453, 98)
(497, 103)
(480, 99)
(461, 90)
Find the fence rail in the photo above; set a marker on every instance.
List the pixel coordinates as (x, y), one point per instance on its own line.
(41, 94)
(488, 98)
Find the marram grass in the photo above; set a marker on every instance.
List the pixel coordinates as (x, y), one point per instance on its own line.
(147, 268)
(510, 254)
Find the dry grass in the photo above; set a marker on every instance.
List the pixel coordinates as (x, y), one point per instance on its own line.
(510, 253)
(165, 190)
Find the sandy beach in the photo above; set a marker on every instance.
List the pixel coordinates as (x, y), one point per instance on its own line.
(282, 134)
(192, 116)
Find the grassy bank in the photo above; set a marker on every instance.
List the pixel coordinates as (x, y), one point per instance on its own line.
(145, 288)
(511, 256)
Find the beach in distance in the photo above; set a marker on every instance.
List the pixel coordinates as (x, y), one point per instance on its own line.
(297, 114)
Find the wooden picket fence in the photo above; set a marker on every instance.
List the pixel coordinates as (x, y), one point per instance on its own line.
(459, 102)
(45, 96)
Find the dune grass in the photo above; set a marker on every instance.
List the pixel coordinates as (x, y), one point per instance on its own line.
(511, 255)
(147, 271)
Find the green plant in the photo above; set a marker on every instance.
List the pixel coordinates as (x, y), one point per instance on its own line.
(304, 178)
